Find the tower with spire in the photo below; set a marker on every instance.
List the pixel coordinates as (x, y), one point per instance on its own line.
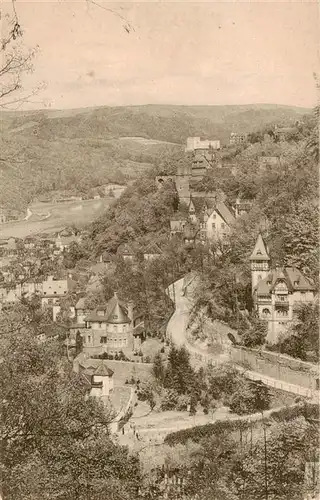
(259, 262)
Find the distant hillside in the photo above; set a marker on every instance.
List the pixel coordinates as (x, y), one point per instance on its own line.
(78, 149)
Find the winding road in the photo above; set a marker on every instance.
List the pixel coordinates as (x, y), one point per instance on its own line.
(181, 294)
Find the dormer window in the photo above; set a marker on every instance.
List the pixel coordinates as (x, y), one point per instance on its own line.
(296, 283)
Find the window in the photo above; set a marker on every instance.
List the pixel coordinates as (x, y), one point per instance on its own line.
(213, 226)
(89, 339)
(100, 324)
(55, 293)
(114, 328)
(214, 215)
(103, 340)
(223, 225)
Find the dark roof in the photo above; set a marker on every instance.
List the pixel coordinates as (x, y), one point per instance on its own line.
(293, 278)
(225, 213)
(107, 257)
(138, 330)
(190, 231)
(198, 203)
(103, 371)
(114, 307)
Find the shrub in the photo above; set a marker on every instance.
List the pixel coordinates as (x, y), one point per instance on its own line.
(169, 400)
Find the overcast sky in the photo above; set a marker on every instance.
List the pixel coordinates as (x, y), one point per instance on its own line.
(179, 52)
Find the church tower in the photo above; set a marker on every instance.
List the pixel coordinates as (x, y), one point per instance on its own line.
(259, 261)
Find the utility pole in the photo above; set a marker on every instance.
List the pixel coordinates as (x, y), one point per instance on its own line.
(266, 486)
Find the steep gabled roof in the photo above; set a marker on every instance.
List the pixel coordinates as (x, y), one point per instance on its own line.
(81, 303)
(298, 280)
(198, 203)
(152, 249)
(125, 249)
(103, 371)
(293, 278)
(225, 213)
(260, 251)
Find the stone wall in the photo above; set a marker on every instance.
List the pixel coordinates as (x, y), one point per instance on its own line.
(290, 370)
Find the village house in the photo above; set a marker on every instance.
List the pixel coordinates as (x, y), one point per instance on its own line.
(12, 292)
(152, 252)
(282, 133)
(236, 138)
(113, 327)
(190, 235)
(126, 252)
(276, 291)
(100, 383)
(177, 224)
(10, 247)
(99, 378)
(215, 218)
(267, 162)
(63, 242)
(242, 207)
(53, 290)
(105, 261)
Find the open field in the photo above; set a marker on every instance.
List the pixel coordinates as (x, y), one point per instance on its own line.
(60, 215)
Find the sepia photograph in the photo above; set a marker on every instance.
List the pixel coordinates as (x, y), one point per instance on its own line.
(159, 250)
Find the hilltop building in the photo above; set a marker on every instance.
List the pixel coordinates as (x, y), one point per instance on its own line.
(203, 159)
(195, 143)
(276, 291)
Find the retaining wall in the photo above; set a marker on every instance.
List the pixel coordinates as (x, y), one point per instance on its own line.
(289, 370)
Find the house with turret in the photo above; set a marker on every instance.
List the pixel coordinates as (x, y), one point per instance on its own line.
(277, 291)
(112, 327)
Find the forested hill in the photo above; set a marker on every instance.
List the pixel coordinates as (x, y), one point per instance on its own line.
(83, 148)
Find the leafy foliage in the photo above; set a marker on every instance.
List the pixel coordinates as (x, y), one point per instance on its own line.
(303, 339)
(55, 441)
